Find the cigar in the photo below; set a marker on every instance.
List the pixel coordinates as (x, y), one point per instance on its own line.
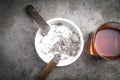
(31, 11)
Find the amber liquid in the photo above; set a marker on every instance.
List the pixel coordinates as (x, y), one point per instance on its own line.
(106, 43)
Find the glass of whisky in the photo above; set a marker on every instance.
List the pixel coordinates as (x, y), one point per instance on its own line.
(105, 42)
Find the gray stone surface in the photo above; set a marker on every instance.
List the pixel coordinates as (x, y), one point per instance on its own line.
(18, 58)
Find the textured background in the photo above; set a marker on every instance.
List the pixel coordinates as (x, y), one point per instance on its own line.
(18, 58)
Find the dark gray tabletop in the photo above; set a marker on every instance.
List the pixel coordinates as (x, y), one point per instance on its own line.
(18, 58)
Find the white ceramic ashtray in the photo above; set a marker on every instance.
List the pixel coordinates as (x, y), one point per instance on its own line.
(64, 37)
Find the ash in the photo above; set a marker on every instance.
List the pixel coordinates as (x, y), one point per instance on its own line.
(69, 45)
(66, 46)
(60, 39)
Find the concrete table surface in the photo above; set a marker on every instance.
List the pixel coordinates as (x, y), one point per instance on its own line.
(18, 58)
